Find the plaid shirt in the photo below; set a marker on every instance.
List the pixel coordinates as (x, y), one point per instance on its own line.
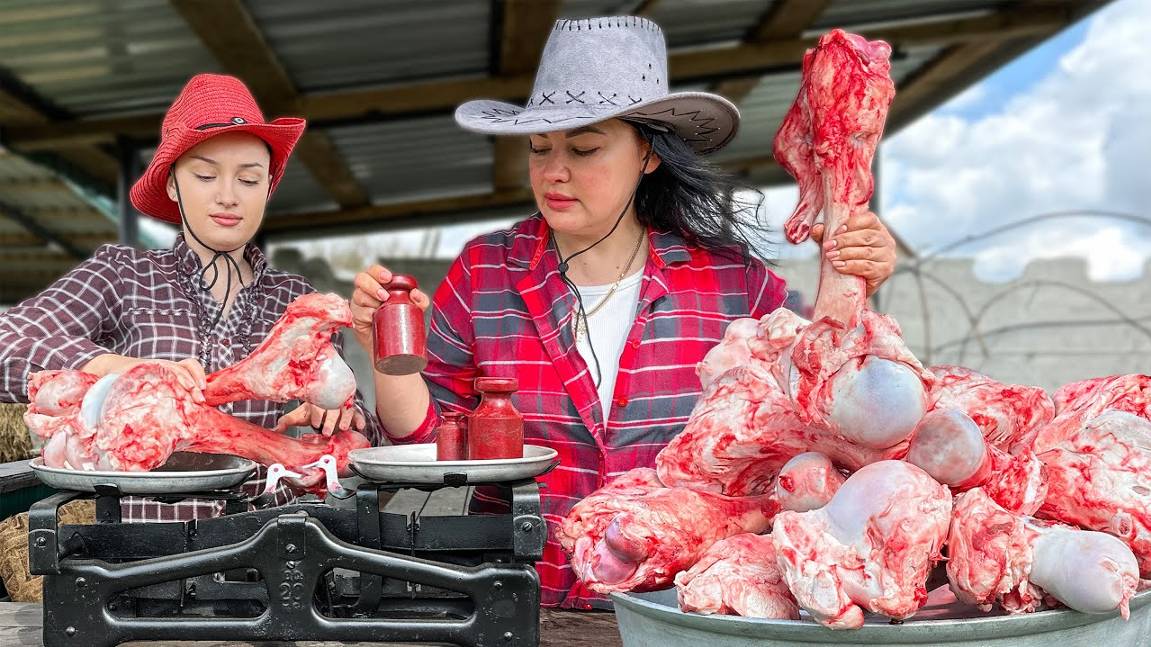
(504, 311)
(148, 304)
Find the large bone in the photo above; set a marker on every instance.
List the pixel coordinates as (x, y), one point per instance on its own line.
(827, 142)
(297, 360)
(998, 557)
(636, 535)
(871, 547)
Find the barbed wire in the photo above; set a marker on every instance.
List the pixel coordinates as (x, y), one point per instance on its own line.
(975, 332)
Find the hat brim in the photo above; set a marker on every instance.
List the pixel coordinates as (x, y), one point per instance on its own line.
(150, 192)
(705, 121)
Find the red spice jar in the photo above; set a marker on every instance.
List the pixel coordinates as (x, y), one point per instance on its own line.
(495, 428)
(452, 438)
(398, 329)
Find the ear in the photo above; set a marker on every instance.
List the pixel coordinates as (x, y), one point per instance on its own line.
(653, 163)
(170, 185)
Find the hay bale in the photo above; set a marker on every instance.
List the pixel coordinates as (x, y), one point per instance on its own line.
(15, 441)
(22, 585)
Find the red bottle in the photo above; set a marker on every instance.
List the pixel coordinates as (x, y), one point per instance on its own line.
(398, 328)
(452, 438)
(495, 428)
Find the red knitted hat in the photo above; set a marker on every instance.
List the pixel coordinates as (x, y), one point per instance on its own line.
(210, 105)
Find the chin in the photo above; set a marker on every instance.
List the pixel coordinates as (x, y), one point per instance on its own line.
(565, 222)
(224, 239)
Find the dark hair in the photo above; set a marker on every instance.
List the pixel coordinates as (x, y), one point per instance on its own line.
(692, 197)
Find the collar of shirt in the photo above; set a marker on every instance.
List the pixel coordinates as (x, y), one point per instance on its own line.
(190, 264)
(552, 305)
(528, 251)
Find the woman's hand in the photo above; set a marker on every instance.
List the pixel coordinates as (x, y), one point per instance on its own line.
(321, 420)
(863, 247)
(369, 295)
(189, 373)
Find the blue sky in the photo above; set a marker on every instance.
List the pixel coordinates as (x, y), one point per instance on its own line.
(1066, 127)
(1017, 77)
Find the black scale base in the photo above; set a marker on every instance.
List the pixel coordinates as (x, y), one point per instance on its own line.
(306, 571)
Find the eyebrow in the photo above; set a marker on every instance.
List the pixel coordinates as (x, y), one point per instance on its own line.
(583, 131)
(214, 162)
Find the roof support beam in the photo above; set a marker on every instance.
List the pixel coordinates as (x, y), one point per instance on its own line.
(524, 29)
(228, 30)
(785, 20)
(89, 165)
(381, 215)
(35, 228)
(443, 95)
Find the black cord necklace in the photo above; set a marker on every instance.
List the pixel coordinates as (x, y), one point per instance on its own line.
(581, 312)
(205, 284)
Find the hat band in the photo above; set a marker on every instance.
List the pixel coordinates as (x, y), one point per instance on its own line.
(234, 121)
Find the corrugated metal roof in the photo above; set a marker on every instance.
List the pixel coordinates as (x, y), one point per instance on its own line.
(93, 56)
(684, 22)
(326, 45)
(101, 58)
(298, 191)
(853, 13)
(417, 157)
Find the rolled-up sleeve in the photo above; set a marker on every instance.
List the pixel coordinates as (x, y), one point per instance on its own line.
(62, 327)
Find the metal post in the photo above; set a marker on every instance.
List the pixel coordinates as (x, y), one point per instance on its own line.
(129, 223)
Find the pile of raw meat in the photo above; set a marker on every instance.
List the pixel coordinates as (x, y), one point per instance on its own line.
(825, 469)
(134, 421)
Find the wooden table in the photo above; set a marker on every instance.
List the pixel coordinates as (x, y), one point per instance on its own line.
(21, 624)
(16, 475)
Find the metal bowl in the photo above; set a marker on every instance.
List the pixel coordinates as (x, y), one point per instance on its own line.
(184, 472)
(654, 620)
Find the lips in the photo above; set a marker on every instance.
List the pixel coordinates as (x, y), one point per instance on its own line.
(225, 219)
(559, 201)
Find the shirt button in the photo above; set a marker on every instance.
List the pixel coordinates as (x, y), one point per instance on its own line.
(225, 343)
(621, 402)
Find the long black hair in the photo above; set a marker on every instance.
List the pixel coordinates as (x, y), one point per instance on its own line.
(691, 197)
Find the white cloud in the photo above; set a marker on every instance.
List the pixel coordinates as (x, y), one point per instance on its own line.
(1078, 139)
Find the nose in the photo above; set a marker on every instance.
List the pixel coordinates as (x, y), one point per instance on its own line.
(555, 168)
(227, 195)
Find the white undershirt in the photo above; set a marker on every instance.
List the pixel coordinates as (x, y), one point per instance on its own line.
(608, 329)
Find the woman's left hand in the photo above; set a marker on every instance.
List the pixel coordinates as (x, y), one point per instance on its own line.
(862, 247)
(321, 420)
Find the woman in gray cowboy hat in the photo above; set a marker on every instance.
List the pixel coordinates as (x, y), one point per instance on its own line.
(603, 302)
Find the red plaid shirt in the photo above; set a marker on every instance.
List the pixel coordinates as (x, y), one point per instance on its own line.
(504, 311)
(148, 304)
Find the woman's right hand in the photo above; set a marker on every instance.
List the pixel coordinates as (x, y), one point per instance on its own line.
(189, 373)
(369, 295)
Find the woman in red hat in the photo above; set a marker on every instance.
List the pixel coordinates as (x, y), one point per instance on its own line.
(202, 305)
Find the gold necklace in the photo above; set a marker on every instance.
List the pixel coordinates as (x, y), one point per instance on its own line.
(579, 322)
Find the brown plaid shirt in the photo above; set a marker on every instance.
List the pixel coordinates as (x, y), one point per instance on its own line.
(149, 304)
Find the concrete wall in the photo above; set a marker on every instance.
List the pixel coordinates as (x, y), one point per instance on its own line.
(1051, 326)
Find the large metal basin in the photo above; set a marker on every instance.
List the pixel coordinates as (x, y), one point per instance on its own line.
(654, 620)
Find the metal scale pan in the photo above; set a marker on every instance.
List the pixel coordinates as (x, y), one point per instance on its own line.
(417, 464)
(184, 472)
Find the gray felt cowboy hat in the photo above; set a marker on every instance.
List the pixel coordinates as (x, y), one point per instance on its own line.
(603, 68)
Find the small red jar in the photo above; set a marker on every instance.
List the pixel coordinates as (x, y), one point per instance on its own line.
(452, 438)
(398, 329)
(495, 428)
